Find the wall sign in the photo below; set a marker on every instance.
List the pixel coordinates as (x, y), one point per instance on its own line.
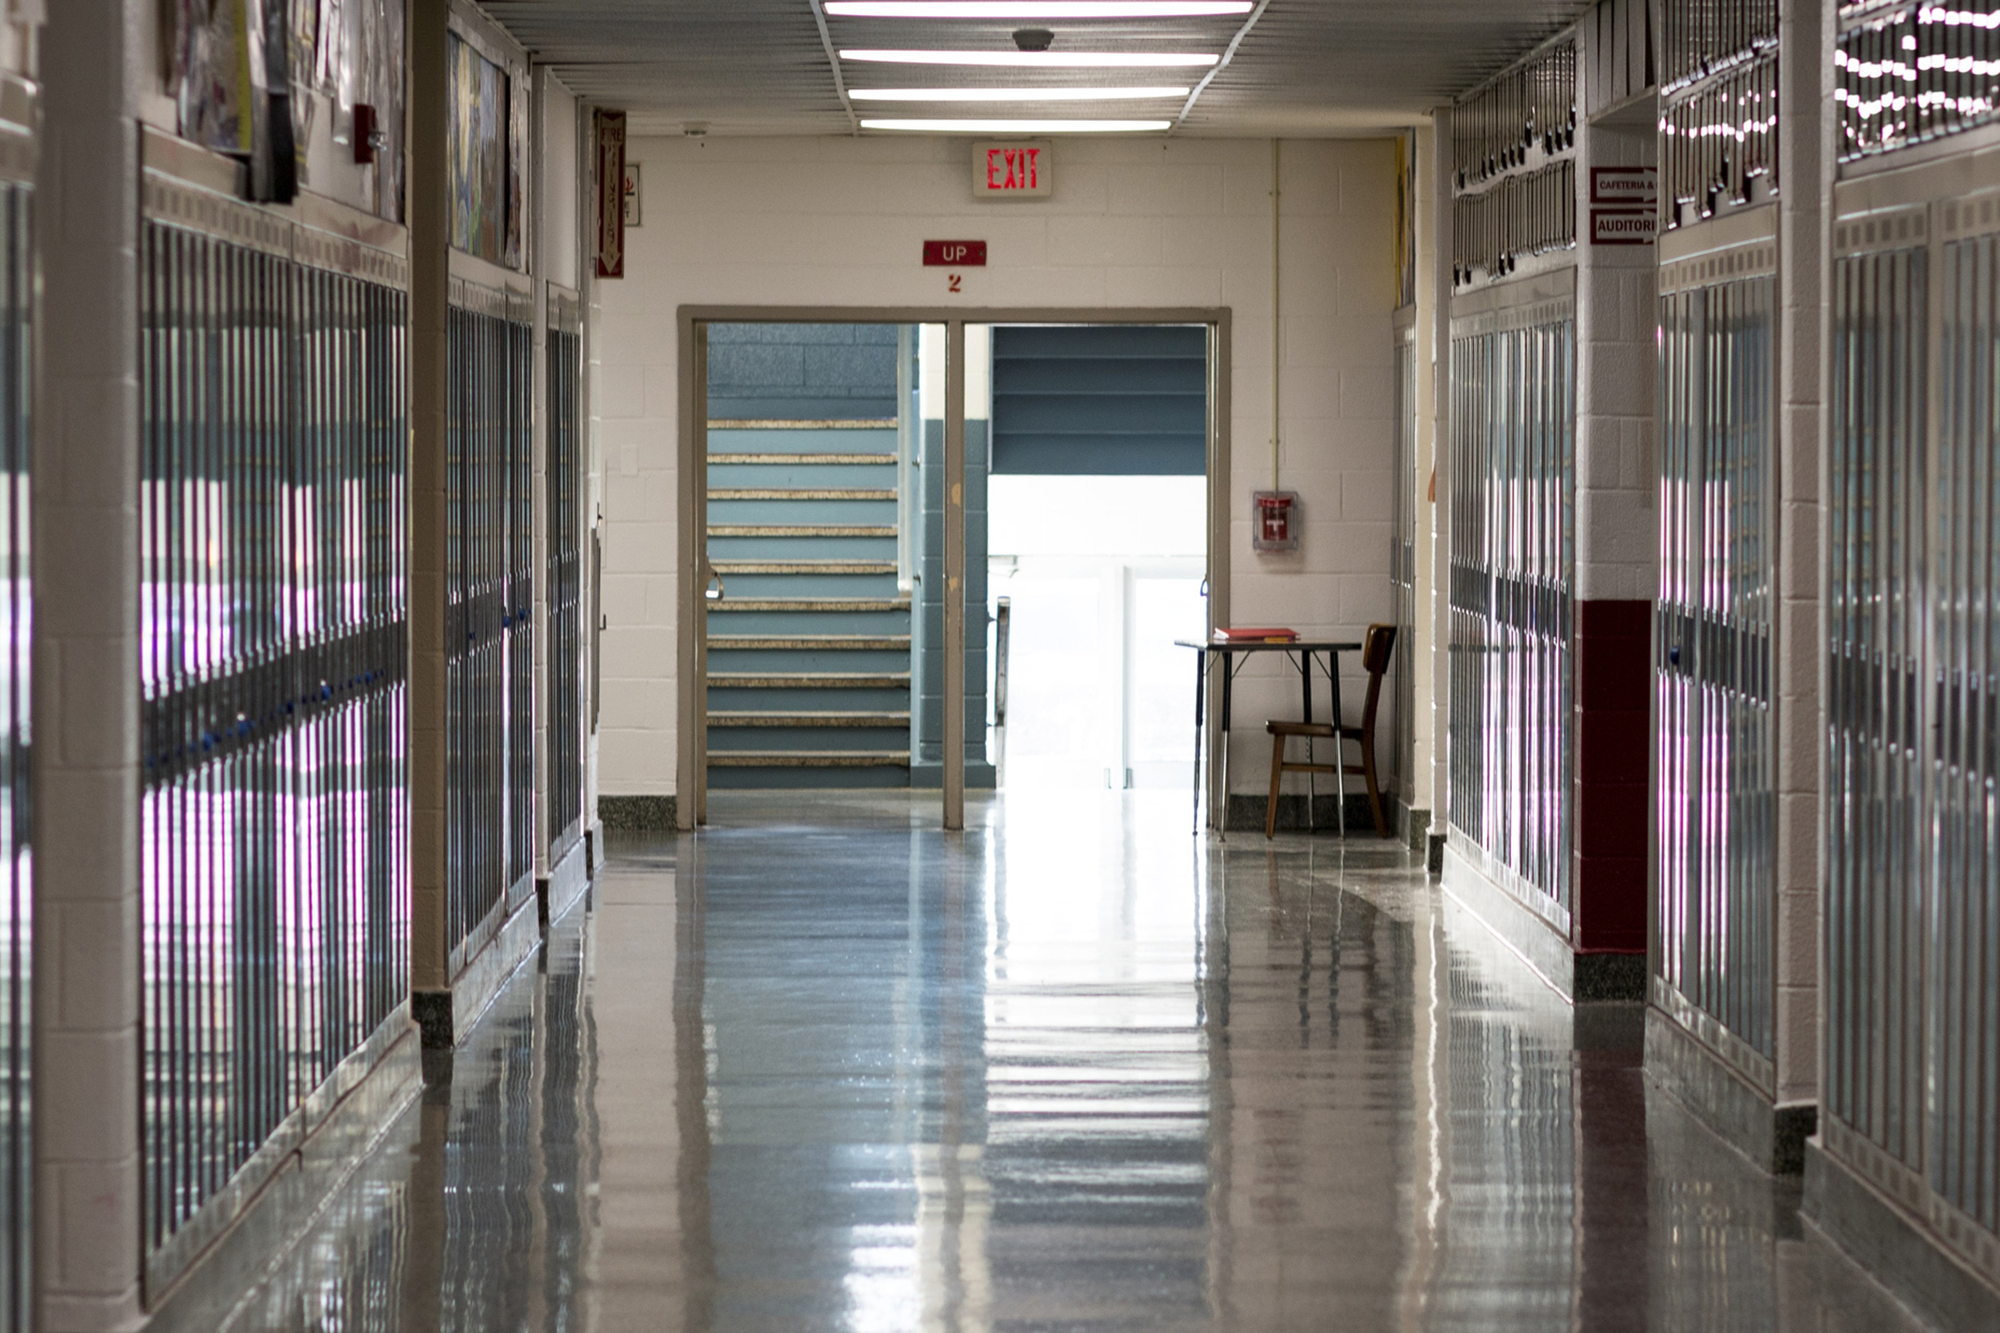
(632, 214)
(1274, 517)
(1624, 226)
(954, 254)
(1632, 186)
(610, 245)
(1014, 169)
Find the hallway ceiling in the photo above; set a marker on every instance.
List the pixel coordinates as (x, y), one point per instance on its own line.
(1301, 67)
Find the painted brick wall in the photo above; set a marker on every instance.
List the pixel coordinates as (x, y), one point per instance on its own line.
(1187, 222)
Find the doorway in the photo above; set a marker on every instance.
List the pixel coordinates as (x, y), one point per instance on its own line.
(1097, 550)
(954, 473)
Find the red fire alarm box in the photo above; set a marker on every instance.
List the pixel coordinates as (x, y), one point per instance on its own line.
(1275, 519)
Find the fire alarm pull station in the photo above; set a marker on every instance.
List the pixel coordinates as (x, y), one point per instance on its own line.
(1275, 521)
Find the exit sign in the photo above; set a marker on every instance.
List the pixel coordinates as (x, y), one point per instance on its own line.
(1014, 169)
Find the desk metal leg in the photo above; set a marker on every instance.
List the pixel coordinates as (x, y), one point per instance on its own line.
(1200, 694)
(1306, 714)
(1228, 679)
(1339, 746)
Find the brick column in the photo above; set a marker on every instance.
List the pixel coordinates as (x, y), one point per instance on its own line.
(429, 217)
(1805, 184)
(86, 660)
(1616, 576)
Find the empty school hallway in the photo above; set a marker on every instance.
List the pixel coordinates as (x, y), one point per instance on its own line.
(999, 666)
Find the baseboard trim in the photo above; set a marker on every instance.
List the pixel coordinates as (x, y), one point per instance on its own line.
(1247, 810)
(445, 1016)
(211, 1292)
(1893, 1246)
(1773, 1137)
(1578, 977)
(639, 813)
(566, 882)
(1536, 941)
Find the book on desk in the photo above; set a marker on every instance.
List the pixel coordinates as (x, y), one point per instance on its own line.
(1235, 634)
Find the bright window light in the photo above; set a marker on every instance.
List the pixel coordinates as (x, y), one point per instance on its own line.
(1035, 9)
(1019, 126)
(1011, 94)
(1038, 59)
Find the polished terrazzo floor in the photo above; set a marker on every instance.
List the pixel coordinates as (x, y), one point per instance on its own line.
(826, 1068)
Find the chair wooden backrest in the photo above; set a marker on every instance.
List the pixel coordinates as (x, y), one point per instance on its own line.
(1376, 646)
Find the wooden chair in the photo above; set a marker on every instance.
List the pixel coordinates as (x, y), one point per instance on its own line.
(1375, 650)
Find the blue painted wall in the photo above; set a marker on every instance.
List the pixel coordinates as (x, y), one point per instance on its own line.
(833, 372)
(1106, 400)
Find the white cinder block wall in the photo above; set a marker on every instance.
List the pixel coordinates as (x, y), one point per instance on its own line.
(1183, 222)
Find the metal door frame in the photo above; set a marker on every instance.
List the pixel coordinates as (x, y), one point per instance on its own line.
(691, 506)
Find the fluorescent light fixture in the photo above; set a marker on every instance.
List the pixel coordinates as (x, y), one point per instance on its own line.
(1038, 59)
(1035, 9)
(1020, 126)
(1012, 94)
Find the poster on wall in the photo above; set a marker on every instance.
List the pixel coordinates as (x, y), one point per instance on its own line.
(1406, 220)
(478, 130)
(517, 173)
(215, 95)
(302, 77)
(247, 77)
(609, 134)
(632, 213)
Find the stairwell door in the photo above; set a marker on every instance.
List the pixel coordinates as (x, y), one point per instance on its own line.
(814, 448)
(831, 563)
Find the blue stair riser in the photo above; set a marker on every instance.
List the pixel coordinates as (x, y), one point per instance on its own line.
(722, 549)
(797, 476)
(806, 622)
(858, 512)
(805, 740)
(741, 585)
(819, 440)
(818, 660)
(723, 699)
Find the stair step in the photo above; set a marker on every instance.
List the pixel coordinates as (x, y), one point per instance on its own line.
(804, 566)
(792, 759)
(823, 493)
(873, 460)
(813, 719)
(762, 423)
(810, 642)
(807, 680)
(802, 530)
(810, 604)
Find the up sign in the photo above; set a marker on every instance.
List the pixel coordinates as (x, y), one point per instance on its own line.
(1013, 169)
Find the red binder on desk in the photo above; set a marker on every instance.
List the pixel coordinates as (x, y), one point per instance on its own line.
(1236, 634)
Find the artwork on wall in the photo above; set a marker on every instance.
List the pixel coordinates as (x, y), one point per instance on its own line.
(247, 77)
(212, 73)
(478, 152)
(304, 74)
(632, 197)
(608, 133)
(517, 174)
(1406, 219)
(384, 87)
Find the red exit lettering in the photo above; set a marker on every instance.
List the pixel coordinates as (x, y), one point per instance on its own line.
(1014, 168)
(954, 254)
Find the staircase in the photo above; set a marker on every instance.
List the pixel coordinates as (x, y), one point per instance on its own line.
(809, 648)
